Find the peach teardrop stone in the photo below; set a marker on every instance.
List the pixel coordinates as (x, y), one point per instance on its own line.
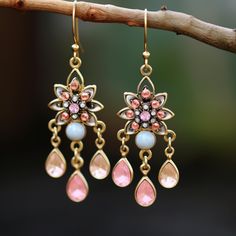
(99, 165)
(55, 164)
(122, 173)
(145, 192)
(168, 174)
(77, 187)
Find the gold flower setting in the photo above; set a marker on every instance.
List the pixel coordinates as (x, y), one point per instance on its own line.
(145, 110)
(75, 102)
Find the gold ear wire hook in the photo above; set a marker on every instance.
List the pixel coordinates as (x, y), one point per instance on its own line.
(75, 61)
(145, 69)
(145, 30)
(75, 24)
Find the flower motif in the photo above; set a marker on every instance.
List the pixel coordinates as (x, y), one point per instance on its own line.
(74, 101)
(145, 109)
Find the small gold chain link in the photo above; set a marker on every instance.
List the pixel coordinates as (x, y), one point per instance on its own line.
(77, 161)
(169, 138)
(121, 133)
(54, 128)
(145, 156)
(123, 137)
(100, 125)
(77, 145)
(124, 149)
(99, 129)
(171, 134)
(75, 62)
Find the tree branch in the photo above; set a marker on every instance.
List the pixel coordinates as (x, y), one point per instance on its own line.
(180, 23)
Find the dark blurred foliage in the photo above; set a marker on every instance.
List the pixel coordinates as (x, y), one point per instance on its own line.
(201, 83)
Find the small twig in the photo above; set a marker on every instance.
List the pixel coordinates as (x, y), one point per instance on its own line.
(164, 8)
(180, 23)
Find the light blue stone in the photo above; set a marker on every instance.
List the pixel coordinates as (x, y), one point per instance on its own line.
(75, 131)
(145, 140)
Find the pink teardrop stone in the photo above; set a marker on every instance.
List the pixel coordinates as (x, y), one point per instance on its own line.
(145, 193)
(77, 188)
(122, 173)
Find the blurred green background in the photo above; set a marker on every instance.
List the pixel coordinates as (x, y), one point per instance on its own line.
(201, 84)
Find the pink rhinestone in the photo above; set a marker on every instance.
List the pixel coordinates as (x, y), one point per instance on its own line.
(64, 96)
(146, 93)
(135, 103)
(65, 116)
(155, 126)
(155, 104)
(84, 116)
(160, 114)
(74, 85)
(74, 108)
(129, 114)
(134, 126)
(145, 116)
(84, 96)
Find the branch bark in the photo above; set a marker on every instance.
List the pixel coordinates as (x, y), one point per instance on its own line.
(180, 23)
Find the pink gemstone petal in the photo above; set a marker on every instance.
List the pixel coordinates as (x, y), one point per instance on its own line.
(88, 93)
(145, 193)
(146, 93)
(135, 125)
(161, 114)
(59, 118)
(74, 85)
(135, 103)
(130, 114)
(155, 104)
(77, 187)
(61, 92)
(122, 173)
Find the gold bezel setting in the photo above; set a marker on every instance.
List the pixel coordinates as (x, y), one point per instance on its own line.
(62, 160)
(106, 160)
(175, 169)
(131, 172)
(145, 178)
(81, 176)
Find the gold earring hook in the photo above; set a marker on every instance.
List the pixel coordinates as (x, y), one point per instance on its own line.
(145, 69)
(75, 61)
(145, 30)
(75, 24)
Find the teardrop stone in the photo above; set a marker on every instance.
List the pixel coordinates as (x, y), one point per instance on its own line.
(145, 192)
(122, 173)
(168, 174)
(99, 165)
(55, 164)
(77, 187)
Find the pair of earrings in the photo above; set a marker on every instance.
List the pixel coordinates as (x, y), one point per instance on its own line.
(145, 112)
